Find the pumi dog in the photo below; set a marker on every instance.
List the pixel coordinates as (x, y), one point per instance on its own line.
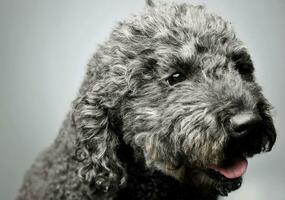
(169, 109)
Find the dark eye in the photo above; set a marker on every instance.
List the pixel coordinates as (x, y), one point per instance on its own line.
(243, 63)
(175, 78)
(244, 68)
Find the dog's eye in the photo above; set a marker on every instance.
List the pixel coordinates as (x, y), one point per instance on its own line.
(175, 78)
(244, 68)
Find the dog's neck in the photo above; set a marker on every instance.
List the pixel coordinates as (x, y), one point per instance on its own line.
(143, 183)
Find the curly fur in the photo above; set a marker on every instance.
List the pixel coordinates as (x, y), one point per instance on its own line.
(131, 134)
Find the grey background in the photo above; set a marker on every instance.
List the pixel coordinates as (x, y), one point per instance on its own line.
(45, 46)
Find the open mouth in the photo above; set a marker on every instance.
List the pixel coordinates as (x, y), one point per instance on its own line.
(232, 169)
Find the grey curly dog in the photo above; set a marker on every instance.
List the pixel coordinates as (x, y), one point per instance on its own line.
(169, 109)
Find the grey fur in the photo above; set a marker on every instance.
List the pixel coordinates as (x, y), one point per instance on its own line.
(126, 106)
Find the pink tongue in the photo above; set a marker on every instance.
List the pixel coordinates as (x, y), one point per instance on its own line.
(237, 169)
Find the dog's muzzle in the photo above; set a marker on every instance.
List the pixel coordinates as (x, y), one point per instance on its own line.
(249, 134)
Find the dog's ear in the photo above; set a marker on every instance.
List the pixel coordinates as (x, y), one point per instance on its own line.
(97, 142)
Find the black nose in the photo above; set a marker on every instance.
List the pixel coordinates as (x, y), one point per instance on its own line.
(245, 124)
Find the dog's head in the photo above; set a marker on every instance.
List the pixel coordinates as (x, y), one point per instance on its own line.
(178, 86)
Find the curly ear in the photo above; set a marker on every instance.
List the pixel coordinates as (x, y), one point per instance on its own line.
(97, 142)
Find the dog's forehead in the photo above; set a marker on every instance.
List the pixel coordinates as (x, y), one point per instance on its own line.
(177, 35)
(199, 52)
(186, 34)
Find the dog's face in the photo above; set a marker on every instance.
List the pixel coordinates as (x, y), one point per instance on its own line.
(181, 88)
(194, 109)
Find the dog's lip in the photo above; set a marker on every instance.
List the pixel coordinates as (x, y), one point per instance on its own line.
(235, 169)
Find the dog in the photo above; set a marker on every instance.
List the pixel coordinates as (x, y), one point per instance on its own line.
(169, 109)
